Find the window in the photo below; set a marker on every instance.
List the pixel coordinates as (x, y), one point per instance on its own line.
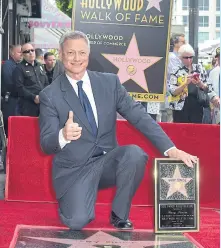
(187, 36)
(185, 4)
(203, 36)
(217, 35)
(217, 5)
(203, 4)
(218, 21)
(203, 21)
(185, 20)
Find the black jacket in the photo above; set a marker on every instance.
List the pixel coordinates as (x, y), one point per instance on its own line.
(30, 80)
(8, 85)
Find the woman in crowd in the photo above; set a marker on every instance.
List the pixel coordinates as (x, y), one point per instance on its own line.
(188, 86)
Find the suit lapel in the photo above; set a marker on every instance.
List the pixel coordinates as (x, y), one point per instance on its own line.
(72, 99)
(96, 86)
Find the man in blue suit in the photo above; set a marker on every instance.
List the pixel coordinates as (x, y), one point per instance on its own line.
(78, 124)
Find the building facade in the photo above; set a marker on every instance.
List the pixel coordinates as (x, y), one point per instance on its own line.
(209, 18)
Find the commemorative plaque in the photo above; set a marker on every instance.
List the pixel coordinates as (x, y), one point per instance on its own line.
(176, 196)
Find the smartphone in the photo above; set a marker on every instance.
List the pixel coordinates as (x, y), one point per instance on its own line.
(196, 75)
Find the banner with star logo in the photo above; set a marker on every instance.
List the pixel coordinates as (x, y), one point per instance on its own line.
(129, 38)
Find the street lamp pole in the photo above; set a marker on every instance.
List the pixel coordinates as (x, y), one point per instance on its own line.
(194, 26)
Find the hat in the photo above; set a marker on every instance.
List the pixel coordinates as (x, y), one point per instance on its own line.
(217, 52)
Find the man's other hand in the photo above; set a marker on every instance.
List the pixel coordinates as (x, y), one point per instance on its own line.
(188, 159)
(71, 130)
(216, 101)
(36, 100)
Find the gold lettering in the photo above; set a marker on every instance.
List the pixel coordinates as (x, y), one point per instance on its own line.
(102, 4)
(117, 4)
(127, 16)
(146, 96)
(91, 4)
(84, 3)
(144, 19)
(133, 5)
(153, 19)
(94, 16)
(100, 17)
(137, 17)
(109, 3)
(108, 16)
(126, 5)
(161, 19)
(139, 5)
(119, 17)
(97, 5)
(85, 15)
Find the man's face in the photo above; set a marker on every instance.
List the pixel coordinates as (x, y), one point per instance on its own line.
(16, 54)
(181, 41)
(75, 56)
(50, 61)
(28, 53)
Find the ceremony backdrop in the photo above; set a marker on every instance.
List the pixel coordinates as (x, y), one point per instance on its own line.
(129, 38)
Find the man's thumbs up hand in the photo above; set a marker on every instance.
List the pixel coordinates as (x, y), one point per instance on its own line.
(71, 130)
(70, 118)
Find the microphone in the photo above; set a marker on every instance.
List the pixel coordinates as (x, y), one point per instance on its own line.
(3, 141)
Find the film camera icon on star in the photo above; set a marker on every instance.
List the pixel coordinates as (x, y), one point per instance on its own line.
(131, 70)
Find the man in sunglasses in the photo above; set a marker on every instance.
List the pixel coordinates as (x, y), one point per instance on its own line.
(30, 78)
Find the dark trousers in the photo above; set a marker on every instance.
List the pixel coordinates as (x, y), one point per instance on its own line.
(29, 108)
(9, 108)
(122, 167)
(192, 112)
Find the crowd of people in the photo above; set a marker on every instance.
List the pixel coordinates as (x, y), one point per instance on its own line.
(192, 94)
(24, 75)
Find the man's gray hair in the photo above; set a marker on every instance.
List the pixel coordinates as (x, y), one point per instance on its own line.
(73, 35)
(186, 48)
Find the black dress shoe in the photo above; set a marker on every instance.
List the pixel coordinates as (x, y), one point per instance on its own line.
(119, 223)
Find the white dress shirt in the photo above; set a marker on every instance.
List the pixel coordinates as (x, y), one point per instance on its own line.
(88, 91)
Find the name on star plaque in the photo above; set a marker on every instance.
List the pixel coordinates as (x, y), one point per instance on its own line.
(176, 196)
(129, 38)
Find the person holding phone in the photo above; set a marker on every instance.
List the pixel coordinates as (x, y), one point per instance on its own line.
(188, 108)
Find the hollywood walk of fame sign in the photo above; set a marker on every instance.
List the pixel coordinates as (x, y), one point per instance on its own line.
(129, 38)
(33, 236)
(176, 196)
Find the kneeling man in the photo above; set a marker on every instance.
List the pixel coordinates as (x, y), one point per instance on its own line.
(78, 124)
